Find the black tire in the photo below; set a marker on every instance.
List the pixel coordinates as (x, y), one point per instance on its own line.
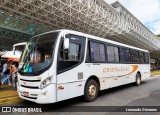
(138, 79)
(91, 90)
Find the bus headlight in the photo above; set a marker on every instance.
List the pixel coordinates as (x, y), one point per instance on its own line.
(45, 82)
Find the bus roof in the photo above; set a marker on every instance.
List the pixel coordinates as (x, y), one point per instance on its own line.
(94, 37)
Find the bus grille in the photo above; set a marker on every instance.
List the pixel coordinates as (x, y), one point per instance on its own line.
(30, 80)
(32, 87)
(29, 97)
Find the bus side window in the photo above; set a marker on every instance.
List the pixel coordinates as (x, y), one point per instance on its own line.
(97, 52)
(116, 54)
(61, 56)
(110, 53)
(113, 54)
(74, 51)
(126, 55)
(146, 58)
(73, 56)
(141, 57)
(135, 56)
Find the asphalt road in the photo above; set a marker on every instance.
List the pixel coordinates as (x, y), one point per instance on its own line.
(147, 94)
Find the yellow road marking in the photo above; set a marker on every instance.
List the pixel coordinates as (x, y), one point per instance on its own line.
(4, 94)
(10, 100)
(155, 72)
(9, 97)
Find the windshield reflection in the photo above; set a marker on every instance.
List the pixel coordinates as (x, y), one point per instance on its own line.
(38, 55)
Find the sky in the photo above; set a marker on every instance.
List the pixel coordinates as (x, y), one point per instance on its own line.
(147, 11)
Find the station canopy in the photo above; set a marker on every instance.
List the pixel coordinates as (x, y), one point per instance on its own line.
(30, 17)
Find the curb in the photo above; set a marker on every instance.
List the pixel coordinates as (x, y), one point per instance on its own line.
(154, 76)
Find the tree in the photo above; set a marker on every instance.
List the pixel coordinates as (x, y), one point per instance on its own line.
(158, 35)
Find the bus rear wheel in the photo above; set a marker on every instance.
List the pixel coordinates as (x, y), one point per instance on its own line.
(91, 90)
(138, 79)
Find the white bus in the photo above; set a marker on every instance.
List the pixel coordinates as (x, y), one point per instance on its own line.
(64, 64)
(19, 46)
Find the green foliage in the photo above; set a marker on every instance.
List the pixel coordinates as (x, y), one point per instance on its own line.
(158, 35)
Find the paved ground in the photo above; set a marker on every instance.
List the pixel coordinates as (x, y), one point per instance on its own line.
(8, 96)
(147, 94)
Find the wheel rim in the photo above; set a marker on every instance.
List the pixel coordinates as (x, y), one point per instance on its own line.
(92, 91)
(138, 80)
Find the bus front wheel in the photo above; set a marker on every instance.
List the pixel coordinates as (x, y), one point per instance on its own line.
(138, 79)
(91, 90)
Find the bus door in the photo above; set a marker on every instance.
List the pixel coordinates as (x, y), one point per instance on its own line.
(68, 68)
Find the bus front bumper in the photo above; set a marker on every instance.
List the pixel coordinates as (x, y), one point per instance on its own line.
(41, 96)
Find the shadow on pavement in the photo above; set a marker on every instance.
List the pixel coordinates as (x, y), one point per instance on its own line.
(67, 105)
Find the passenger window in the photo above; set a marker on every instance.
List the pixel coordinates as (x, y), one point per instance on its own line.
(102, 52)
(135, 58)
(74, 51)
(141, 57)
(94, 51)
(113, 54)
(146, 57)
(97, 52)
(127, 55)
(116, 54)
(110, 53)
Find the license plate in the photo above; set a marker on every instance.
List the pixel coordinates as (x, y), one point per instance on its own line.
(26, 93)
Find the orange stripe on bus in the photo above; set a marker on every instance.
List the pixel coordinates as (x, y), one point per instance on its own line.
(135, 67)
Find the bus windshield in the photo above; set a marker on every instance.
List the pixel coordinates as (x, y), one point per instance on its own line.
(38, 54)
(19, 48)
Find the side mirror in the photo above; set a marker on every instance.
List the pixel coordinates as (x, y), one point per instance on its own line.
(66, 43)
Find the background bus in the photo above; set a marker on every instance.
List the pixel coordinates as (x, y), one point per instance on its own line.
(15, 54)
(64, 64)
